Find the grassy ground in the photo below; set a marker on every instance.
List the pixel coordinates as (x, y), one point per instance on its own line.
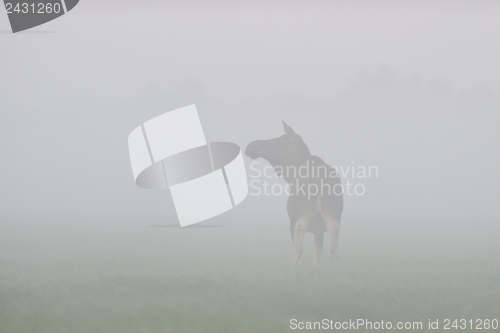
(235, 278)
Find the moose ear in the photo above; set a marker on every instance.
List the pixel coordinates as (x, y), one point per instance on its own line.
(289, 131)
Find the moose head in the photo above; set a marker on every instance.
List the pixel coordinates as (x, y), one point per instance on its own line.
(287, 149)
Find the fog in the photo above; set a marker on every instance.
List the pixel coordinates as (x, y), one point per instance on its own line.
(411, 87)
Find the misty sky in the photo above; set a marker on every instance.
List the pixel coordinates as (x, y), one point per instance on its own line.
(412, 87)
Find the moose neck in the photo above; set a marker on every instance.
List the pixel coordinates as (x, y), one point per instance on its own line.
(289, 169)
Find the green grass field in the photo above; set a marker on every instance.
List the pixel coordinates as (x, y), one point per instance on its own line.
(236, 278)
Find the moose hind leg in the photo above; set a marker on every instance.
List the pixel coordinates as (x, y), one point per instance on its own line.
(298, 240)
(318, 247)
(333, 228)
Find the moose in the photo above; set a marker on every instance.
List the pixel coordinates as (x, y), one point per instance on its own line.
(315, 201)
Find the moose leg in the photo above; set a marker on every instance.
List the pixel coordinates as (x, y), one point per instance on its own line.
(318, 247)
(298, 239)
(333, 228)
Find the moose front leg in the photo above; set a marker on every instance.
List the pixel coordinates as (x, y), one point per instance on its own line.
(298, 240)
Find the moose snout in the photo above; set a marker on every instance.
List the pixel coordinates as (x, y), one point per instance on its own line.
(252, 150)
(249, 151)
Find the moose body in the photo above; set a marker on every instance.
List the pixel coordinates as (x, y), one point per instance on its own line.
(315, 201)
